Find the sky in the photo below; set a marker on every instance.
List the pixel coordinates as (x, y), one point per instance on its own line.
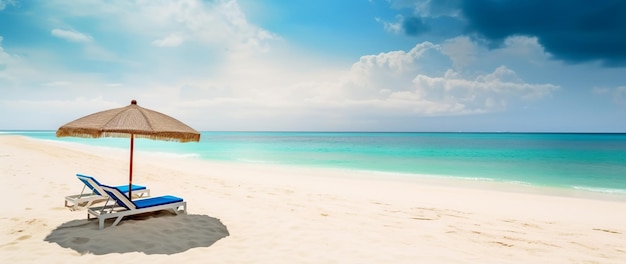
(319, 65)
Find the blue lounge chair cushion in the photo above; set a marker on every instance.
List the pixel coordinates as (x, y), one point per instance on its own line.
(124, 188)
(143, 203)
(149, 202)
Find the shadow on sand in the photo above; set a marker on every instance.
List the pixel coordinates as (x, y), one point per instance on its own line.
(153, 233)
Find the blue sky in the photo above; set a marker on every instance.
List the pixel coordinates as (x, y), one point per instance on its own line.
(353, 65)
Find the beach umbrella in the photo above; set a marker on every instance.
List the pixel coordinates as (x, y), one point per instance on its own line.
(130, 121)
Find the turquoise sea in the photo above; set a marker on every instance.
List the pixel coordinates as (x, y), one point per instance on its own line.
(592, 162)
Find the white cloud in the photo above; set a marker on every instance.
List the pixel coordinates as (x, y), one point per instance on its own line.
(485, 93)
(73, 36)
(461, 51)
(172, 40)
(377, 74)
(394, 61)
(393, 27)
(218, 24)
(4, 3)
(466, 53)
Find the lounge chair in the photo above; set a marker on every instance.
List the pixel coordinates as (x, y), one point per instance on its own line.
(86, 198)
(125, 207)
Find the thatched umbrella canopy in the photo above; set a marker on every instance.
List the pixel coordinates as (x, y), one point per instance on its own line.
(130, 121)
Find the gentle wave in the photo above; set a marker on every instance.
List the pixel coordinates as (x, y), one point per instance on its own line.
(600, 190)
(173, 155)
(115, 148)
(485, 179)
(473, 178)
(26, 132)
(256, 161)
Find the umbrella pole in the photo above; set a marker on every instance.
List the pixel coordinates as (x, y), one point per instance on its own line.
(130, 176)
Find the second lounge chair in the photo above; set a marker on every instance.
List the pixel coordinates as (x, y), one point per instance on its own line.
(86, 198)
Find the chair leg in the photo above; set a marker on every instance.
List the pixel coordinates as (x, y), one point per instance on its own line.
(117, 221)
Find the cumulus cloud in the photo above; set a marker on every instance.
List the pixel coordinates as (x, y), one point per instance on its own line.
(378, 74)
(461, 51)
(573, 31)
(486, 93)
(449, 94)
(73, 36)
(394, 84)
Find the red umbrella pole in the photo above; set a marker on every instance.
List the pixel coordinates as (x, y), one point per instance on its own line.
(130, 176)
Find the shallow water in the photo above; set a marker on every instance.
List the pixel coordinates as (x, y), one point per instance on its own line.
(592, 162)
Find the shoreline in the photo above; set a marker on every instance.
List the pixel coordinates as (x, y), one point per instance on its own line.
(254, 213)
(445, 180)
(565, 183)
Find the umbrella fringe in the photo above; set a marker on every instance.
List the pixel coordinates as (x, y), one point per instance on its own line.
(173, 136)
(166, 136)
(84, 133)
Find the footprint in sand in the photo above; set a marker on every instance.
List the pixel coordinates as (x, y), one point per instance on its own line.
(79, 240)
(24, 237)
(606, 230)
(425, 214)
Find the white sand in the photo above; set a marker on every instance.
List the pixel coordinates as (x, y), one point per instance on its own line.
(241, 213)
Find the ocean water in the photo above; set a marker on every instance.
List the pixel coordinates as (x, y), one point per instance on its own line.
(592, 162)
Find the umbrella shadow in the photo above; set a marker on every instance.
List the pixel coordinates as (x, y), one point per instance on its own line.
(151, 233)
